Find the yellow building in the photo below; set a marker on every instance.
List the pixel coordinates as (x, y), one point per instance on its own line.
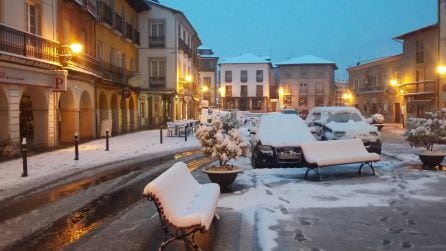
(117, 43)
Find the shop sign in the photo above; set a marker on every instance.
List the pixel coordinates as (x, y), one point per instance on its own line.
(125, 92)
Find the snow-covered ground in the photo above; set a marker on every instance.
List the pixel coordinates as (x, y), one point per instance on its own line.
(45, 167)
(267, 197)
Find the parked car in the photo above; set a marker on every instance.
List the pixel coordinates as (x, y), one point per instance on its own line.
(290, 111)
(277, 139)
(339, 122)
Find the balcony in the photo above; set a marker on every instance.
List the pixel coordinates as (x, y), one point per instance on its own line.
(259, 93)
(86, 62)
(105, 13)
(128, 31)
(184, 47)
(118, 23)
(27, 45)
(135, 36)
(157, 42)
(371, 89)
(419, 88)
(113, 73)
(157, 82)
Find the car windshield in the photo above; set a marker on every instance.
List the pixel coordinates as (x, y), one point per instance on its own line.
(290, 112)
(344, 117)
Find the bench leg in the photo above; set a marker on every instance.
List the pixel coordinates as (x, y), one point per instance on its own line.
(370, 164)
(316, 170)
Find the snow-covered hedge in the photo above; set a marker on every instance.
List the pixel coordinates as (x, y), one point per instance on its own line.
(217, 142)
(376, 118)
(425, 132)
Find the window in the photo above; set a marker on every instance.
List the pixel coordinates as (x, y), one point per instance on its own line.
(419, 56)
(419, 75)
(319, 88)
(303, 88)
(112, 56)
(32, 18)
(303, 100)
(243, 90)
(244, 76)
(157, 34)
(319, 101)
(228, 90)
(100, 50)
(207, 65)
(303, 73)
(259, 75)
(259, 90)
(287, 100)
(132, 65)
(207, 81)
(228, 76)
(157, 73)
(356, 85)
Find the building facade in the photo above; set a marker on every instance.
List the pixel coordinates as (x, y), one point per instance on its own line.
(341, 94)
(117, 43)
(442, 50)
(168, 58)
(374, 88)
(245, 83)
(208, 77)
(30, 75)
(306, 82)
(419, 85)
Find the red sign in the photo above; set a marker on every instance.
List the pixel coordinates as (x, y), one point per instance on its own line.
(125, 92)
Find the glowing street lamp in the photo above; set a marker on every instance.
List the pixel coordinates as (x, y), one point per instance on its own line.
(188, 78)
(204, 88)
(441, 69)
(393, 82)
(281, 91)
(76, 48)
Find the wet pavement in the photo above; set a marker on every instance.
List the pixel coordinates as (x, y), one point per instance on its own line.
(405, 212)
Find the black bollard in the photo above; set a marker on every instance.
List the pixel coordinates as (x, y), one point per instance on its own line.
(106, 140)
(25, 161)
(185, 132)
(161, 134)
(76, 147)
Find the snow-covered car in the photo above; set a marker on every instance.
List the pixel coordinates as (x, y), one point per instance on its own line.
(333, 123)
(290, 111)
(277, 139)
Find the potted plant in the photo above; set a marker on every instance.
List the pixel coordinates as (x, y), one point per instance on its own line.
(377, 120)
(424, 133)
(222, 140)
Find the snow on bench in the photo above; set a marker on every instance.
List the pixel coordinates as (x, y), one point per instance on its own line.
(335, 152)
(184, 205)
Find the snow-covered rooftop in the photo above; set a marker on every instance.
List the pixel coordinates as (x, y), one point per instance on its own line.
(307, 59)
(247, 58)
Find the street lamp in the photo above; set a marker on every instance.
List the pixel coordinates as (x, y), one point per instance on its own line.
(76, 48)
(441, 69)
(393, 82)
(68, 52)
(281, 92)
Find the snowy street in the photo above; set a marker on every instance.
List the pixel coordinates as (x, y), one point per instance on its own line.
(275, 209)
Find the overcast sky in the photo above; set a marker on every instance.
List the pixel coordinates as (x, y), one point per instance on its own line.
(343, 31)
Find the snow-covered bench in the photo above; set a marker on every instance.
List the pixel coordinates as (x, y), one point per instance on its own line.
(184, 205)
(336, 152)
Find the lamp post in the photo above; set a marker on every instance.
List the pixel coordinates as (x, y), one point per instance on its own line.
(441, 71)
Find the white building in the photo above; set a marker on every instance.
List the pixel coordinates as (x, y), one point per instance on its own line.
(245, 83)
(169, 61)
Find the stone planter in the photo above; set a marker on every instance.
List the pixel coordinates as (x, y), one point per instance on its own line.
(224, 178)
(431, 159)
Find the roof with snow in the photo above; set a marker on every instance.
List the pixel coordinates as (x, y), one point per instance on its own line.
(247, 58)
(402, 36)
(307, 60)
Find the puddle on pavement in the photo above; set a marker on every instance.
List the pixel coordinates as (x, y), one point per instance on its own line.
(16, 208)
(80, 222)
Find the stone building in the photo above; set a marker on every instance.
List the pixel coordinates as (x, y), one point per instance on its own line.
(208, 77)
(341, 94)
(306, 82)
(442, 50)
(374, 88)
(419, 85)
(245, 82)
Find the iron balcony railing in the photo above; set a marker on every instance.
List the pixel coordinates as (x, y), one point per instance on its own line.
(421, 87)
(118, 23)
(85, 61)
(184, 47)
(157, 82)
(28, 45)
(105, 13)
(129, 31)
(113, 73)
(157, 42)
(371, 88)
